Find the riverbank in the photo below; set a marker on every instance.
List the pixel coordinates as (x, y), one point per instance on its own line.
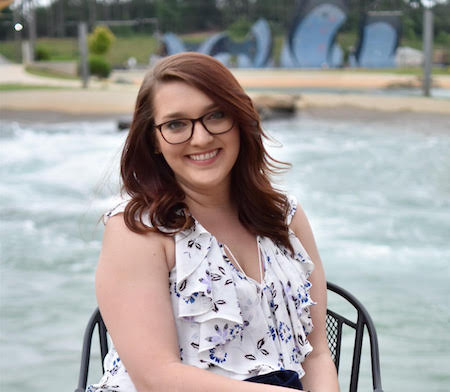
(325, 91)
(56, 105)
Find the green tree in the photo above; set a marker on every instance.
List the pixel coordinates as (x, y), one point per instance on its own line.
(168, 13)
(100, 40)
(240, 28)
(99, 43)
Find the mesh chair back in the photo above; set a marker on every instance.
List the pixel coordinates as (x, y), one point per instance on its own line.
(335, 324)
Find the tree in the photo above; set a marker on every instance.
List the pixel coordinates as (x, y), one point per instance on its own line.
(99, 43)
(100, 40)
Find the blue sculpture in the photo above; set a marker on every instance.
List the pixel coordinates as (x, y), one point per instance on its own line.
(311, 41)
(379, 40)
(216, 46)
(255, 51)
(264, 44)
(173, 44)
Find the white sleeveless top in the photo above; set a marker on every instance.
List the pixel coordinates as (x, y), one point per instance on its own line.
(227, 322)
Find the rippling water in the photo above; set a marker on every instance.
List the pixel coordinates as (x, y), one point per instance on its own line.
(377, 194)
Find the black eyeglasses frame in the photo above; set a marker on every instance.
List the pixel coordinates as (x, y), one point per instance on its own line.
(193, 121)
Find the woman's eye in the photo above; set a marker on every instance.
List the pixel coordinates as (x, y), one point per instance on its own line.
(217, 115)
(176, 125)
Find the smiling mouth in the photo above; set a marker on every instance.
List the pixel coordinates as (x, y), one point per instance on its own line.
(205, 156)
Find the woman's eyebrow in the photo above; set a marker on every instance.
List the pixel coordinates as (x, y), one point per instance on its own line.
(179, 115)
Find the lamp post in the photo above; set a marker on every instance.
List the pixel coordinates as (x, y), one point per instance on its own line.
(427, 50)
(32, 29)
(83, 45)
(18, 27)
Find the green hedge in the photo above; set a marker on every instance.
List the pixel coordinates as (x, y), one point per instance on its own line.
(98, 66)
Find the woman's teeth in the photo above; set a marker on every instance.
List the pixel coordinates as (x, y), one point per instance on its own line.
(204, 157)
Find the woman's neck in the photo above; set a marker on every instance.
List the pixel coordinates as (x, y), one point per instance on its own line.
(209, 202)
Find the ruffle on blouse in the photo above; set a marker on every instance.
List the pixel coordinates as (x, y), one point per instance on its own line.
(206, 291)
(305, 265)
(207, 296)
(288, 290)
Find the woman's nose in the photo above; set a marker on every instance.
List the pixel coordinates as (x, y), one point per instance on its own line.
(200, 134)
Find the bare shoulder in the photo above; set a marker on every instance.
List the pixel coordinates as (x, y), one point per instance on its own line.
(299, 223)
(119, 240)
(302, 229)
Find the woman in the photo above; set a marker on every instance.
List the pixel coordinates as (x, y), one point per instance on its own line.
(202, 279)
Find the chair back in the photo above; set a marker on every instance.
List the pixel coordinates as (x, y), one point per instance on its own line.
(95, 321)
(337, 323)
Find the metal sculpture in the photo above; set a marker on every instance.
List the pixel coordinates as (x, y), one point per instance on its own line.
(312, 39)
(379, 39)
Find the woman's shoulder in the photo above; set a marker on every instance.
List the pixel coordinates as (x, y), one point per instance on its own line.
(118, 234)
(296, 216)
(291, 208)
(121, 234)
(118, 208)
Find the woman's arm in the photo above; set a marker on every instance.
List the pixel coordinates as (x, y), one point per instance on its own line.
(133, 296)
(319, 367)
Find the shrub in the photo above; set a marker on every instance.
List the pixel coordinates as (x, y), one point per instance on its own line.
(239, 29)
(443, 38)
(42, 53)
(98, 66)
(101, 40)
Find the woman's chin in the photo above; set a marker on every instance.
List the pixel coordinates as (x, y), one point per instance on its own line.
(205, 183)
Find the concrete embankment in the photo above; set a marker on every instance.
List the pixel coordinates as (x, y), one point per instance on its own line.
(275, 93)
(119, 102)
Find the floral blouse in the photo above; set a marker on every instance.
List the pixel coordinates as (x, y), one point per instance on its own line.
(227, 322)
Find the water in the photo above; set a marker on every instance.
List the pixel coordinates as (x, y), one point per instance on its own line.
(377, 194)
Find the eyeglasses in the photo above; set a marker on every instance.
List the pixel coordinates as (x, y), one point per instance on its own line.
(181, 130)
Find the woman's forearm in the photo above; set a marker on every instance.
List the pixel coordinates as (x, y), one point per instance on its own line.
(320, 374)
(178, 377)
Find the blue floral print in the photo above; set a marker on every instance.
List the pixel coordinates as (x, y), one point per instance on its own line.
(218, 355)
(284, 332)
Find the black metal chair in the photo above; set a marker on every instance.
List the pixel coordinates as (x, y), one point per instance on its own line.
(95, 321)
(335, 324)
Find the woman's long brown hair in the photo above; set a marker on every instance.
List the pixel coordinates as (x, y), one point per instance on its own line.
(150, 182)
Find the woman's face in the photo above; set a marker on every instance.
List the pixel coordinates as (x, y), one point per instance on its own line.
(204, 161)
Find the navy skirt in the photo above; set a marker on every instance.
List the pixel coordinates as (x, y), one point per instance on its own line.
(282, 378)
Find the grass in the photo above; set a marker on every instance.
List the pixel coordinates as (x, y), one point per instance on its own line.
(139, 46)
(49, 74)
(142, 46)
(66, 49)
(18, 86)
(60, 49)
(196, 38)
(10, 50)
(278, 42)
